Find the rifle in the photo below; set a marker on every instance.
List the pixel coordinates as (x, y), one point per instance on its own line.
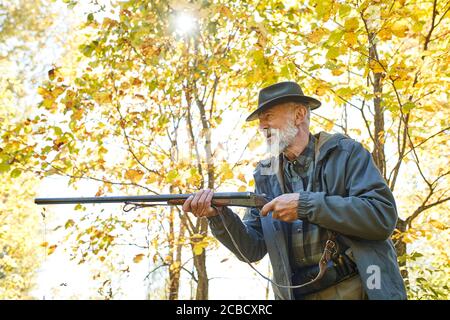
(220, 199)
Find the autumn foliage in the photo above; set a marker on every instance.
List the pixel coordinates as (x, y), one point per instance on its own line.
(138, 104)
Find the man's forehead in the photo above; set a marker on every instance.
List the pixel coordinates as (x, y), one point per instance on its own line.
(275, 108)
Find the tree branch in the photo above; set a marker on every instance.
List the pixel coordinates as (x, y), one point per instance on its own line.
(422, 208)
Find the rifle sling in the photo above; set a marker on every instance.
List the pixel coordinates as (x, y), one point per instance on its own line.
(330, 249)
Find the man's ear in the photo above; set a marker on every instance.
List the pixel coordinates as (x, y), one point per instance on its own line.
(300, 115)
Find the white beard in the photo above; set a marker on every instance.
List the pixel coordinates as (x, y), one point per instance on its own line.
(280, 139)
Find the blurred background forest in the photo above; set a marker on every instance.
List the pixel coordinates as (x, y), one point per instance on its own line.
(145, 97)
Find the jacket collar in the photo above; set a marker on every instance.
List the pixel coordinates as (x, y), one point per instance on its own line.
(326, 142)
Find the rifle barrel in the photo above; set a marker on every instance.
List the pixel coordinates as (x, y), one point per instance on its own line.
(144, 198)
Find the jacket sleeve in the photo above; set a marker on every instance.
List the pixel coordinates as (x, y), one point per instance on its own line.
(367, 212)
(247, 233)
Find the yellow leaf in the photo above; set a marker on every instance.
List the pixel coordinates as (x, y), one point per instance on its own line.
(102, 97)
(174, 266)
(329, 125)
(44, 244)
(99, 192)
(51, 249)
(198, 249)
(227, 172)
(151, 179)
(172, 175)
(197, 236)
(407, 239)
(375, 66)
(242, 189)
(321, 90)
(351, 24)
(399, 29)
(351, 38)
(44, 92)
(317, 34)
(69, 223)
(242, 177)
(57, 92)
(338, 71)
(134, 175)
(168, 259)
(439, 225)
(107, 22)
(428, 108)
(224, 10)
(138, 258)
(385, 34)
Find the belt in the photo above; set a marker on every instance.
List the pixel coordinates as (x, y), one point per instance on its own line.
(338, 269)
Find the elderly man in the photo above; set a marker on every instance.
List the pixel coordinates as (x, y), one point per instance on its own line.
(327, 227)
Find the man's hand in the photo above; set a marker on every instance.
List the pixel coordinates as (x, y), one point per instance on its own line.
(200, 204)
(283, 207)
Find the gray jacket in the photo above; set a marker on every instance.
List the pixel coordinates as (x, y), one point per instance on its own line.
(349, 196)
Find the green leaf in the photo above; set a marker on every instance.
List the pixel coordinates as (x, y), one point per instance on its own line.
(86, 50)
(416, 255)
(15, 173)
(284, 72)
(335, 37)
(258, 57)
(58, 131)
(323, 9)
(344, 10)
(333, 53)
(407, 107)
(46, 149)
(4, 167)
(69, 223)
(172, 175)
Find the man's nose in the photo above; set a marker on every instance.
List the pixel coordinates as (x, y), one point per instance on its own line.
(263, 125)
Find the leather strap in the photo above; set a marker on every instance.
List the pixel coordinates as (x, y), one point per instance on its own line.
(330, 251)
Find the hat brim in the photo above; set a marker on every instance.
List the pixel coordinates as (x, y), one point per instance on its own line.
(311, 103)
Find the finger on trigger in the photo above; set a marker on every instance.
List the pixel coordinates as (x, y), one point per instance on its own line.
(274, 215)
(267, 207)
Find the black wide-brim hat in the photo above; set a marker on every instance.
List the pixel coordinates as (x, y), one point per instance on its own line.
(282, 92)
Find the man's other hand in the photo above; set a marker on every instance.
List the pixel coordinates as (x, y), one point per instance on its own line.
(200, 204)
(283, 207)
